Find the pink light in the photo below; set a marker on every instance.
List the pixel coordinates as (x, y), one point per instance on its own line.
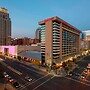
(12, 49)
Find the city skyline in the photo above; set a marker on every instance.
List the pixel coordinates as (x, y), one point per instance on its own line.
(25, 15)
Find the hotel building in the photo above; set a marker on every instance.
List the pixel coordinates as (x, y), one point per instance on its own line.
(5, 27)
(58, 40)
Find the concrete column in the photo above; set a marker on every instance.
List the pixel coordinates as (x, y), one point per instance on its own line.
(49, 42)
(60, 40)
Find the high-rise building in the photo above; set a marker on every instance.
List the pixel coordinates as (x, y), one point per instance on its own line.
(38, 34)
(84, 34)
(5, 27)
(58, 39)
(85, 40)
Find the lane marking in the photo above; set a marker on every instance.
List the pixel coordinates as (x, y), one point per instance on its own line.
(12, 69)
(78, 81)
(9, 67)
(83, 80)
(43, 83)
(27, 84)
(38, 72)
(87, 81)
(30, 64)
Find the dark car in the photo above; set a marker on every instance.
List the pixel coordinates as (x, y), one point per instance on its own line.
(10, 79)
(83, 76)
(16, 84)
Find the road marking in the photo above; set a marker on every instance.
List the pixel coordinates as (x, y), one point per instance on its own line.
(43, 83)
(14, 70)
(31, 69)
(32, 65)
(87, 81)
(77, 81)
(27, 84)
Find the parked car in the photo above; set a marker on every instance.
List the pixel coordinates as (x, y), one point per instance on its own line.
(10, 79)
(85, 71)
(5, 74)
(28, 79)
(83, 76)
(16, 84)
(70, 74)
(88, 67)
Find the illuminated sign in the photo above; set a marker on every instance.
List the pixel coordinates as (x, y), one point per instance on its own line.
(48, 19)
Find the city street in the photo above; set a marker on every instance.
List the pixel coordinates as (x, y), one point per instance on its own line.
(44, 45)
(42, 80)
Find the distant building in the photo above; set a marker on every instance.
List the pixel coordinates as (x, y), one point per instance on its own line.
(38, 34)
(20, 41)
(34, 41)
(58, 39)
(88, 37)
(24, 41)
(17, 49)
(5, 27)
(84, 34)
(85, 40)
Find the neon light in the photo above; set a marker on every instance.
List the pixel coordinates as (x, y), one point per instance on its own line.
(12, 49)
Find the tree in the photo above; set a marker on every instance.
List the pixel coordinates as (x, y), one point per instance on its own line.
(64, 64)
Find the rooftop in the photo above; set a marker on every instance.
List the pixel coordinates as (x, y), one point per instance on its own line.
(59, 20)
(4, 10)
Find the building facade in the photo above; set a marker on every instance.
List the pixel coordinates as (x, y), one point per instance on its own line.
(85, 40)
(24, 41)
(84, 34)
(58, 39)
(5, 27)
(38, 34)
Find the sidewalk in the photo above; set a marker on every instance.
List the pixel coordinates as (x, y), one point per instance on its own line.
(8, 87)
(35, 66)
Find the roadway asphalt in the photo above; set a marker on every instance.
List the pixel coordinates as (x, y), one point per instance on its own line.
(43, 80)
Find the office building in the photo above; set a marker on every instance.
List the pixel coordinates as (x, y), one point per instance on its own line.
(84, 34)
(85, 40)
(58, 40)
(38, 34)
(5, 27)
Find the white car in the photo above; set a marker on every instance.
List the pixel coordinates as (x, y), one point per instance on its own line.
(5, 74)
(28, 79)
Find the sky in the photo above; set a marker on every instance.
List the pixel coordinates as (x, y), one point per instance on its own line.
(25, 14)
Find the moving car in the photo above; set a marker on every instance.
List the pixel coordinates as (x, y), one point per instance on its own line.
(28, 79)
